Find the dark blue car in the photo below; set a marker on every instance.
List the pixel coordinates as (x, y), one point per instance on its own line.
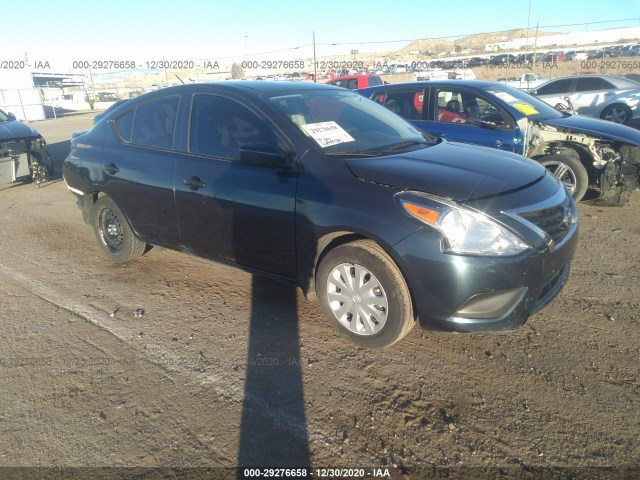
(582, 152)
(23, 152)
(321, 187)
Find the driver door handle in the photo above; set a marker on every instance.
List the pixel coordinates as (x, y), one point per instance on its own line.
(194, 183)
(111, 168)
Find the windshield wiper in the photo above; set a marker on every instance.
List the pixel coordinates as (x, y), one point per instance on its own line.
(401, 145)
(352, 154)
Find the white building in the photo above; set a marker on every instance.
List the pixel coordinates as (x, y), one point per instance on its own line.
(612, 35)
(18, 95)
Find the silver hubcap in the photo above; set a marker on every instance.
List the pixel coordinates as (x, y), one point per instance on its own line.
(616, 114)
(357, 299)
(111, 231)
(563, 173)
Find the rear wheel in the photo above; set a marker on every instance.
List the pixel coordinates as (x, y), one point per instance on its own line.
(114, 235)
(617, 113)
(569, 171)
(364, 295)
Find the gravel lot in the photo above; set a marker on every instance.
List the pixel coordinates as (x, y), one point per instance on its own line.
(174, 361)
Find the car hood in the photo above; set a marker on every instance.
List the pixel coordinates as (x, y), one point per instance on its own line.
(451, 170)
(14, 129)
(597, 128)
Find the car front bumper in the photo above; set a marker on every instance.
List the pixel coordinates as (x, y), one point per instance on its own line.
(480, 294)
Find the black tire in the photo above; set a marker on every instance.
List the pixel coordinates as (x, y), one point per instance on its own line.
(382, 272)
(114, 235)
(569, 171)
(617, 113)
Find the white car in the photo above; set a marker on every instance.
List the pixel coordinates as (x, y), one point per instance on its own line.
(608, 97)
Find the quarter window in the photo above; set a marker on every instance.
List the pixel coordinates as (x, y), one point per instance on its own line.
(124, 126)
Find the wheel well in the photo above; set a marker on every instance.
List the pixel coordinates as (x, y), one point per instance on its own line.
(324, 245)
(329, 242)
(624, 106)
(572, 150)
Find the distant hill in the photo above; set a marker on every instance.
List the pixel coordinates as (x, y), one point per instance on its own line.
(471, 42)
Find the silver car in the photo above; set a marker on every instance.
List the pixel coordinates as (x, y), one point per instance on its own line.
(608, 97)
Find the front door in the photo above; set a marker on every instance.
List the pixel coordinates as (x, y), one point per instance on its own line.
(229, 210)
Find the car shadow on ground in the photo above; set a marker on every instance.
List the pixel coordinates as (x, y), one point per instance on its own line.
(273, 429)
(58, 152)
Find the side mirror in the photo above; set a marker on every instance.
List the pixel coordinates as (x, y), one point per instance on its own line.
(11, 116)
(264, 154)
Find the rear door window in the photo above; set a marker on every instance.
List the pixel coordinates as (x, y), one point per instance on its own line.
(557, 87)
(590, 84)
(155, 122)
(406, 103)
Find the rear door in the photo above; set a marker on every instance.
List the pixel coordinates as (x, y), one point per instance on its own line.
(232, 211)
(554, 93)
(137, 165)
(590, 93)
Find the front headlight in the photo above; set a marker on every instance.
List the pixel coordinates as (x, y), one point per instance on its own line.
(465, 231)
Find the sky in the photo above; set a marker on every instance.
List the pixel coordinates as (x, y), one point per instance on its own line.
(64, 31)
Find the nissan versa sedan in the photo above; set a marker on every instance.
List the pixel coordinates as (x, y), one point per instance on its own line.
(323, 188)
(582, 152)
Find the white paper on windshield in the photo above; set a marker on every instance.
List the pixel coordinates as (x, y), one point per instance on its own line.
(505, 97)
(327, 133)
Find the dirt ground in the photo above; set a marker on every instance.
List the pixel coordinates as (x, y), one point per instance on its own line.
(177, 362)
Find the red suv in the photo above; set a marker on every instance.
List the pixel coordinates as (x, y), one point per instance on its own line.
(353, 82)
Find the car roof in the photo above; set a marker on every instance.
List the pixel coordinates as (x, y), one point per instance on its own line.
(619, 82)
(349, 77)
(251, 87)
(426, 83)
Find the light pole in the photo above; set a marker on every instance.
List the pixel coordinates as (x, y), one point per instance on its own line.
(246, 56)
(528, 20)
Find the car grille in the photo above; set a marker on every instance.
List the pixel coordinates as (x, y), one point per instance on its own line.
(555, 221)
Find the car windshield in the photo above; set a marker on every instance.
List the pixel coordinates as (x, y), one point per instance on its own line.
(533, 108)
(3, 116)
(344, 123)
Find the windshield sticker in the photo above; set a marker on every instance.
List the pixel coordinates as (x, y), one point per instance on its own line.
(525, 108)
(505, 97)
(327, 133)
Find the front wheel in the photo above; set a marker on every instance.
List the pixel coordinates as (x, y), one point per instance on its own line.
(569, 171)
(364, 295)
(41, 166)
(115, 236)
(616, 113)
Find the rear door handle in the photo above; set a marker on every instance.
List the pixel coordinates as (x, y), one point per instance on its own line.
(111, 168)
(194, 183)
